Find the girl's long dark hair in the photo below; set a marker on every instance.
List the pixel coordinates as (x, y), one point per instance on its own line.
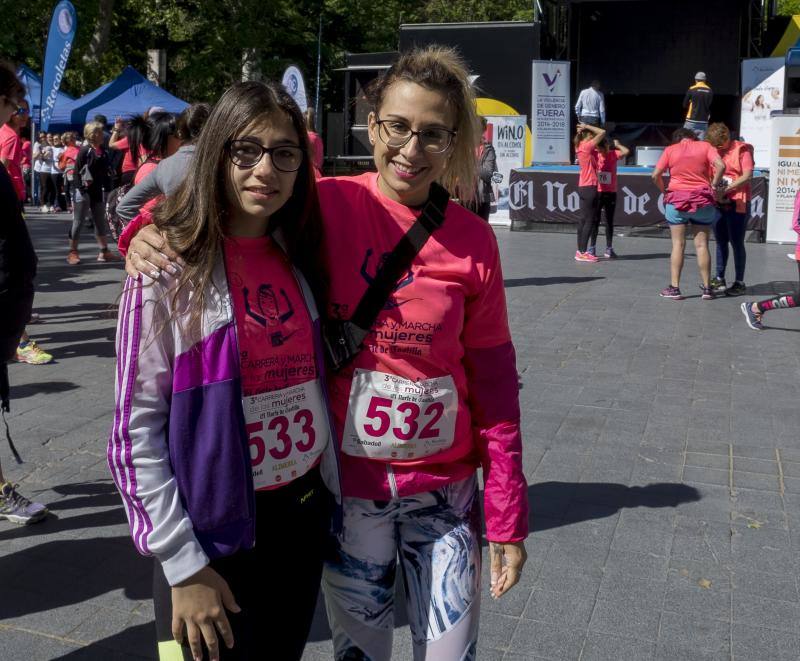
(193, 218)
(152, 133)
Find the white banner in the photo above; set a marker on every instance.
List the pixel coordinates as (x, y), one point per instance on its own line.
(784, 177)
(762, 93)
(507, 135)
(551, 112)
(296, 86)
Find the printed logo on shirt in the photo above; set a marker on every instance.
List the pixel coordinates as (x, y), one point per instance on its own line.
(270, 312)
(406, 280)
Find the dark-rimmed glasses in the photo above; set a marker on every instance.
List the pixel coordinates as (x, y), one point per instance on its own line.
(396, 134)
(247, 153)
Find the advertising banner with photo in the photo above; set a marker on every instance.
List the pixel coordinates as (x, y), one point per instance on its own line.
(762, 93)
(507, 135)
(551, 196)
(550, 114)
(784, 177)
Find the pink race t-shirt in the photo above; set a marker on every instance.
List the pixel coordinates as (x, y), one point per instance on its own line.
(273, 327)
(451, 300)
(607, 171)
(587, 162)
(27, 154)
(688, 163)
(11, 150)
(128, 163)
(317, 150)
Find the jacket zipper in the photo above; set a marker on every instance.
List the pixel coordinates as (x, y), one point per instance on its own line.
(392, 481)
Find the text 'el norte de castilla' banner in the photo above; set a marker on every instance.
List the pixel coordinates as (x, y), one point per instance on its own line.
(56, 54)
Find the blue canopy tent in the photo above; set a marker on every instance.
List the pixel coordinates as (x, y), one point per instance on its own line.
(127, 95)
(33, 93)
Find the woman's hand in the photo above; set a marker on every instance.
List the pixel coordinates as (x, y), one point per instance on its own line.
(198, 608)
(505, 565)
(149, 254)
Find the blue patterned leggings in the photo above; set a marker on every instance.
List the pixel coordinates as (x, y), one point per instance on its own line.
(436, 536)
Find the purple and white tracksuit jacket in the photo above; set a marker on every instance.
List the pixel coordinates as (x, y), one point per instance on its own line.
(178, 451)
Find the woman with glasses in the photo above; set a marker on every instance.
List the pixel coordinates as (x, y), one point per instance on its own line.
(433, 395)
(220, 446)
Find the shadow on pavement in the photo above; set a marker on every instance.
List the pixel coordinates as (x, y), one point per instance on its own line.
(774, 288)
(45, 388)
(554, 504)
(638, 258)
(64, 314)
(139, 642)
(543, 282)
(86, 568)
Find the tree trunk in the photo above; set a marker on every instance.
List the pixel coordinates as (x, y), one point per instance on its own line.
(102, 29)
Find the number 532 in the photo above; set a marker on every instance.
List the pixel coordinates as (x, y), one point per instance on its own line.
(403, 419)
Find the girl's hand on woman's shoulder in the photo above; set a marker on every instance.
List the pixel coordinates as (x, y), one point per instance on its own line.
(149, 254)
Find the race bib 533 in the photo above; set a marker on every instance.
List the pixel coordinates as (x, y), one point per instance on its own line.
(287, 431)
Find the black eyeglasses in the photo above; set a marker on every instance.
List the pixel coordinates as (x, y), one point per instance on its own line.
(247, 153)
(21, 110)
(397, 134)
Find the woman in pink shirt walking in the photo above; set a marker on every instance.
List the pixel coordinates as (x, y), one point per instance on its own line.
(433, 394)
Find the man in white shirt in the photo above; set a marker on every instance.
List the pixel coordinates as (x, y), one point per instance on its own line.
(591, 106)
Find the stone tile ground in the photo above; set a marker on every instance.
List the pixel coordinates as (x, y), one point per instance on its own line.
(662, 449)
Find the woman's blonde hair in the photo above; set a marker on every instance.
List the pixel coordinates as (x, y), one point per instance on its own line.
(90, 128)
(441, 69)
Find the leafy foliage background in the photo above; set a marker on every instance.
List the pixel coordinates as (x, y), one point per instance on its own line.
(207, 41)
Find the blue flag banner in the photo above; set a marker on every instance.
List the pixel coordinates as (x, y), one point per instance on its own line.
(56, 54)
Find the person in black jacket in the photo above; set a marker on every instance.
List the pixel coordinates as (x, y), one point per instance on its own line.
(697, 104)
(90, 178)
(487, 165)
(17, 271)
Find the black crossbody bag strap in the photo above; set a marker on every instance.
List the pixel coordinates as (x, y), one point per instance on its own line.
(344, 339)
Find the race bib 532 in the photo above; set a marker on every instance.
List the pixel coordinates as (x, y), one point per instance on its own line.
(390, 417)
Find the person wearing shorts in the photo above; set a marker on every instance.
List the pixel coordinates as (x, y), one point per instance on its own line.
(689, 199)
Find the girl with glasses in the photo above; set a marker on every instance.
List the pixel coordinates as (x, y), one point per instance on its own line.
(220, 446)
(433, 395)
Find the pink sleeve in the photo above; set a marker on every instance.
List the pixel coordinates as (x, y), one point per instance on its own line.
(796, 215)
(7, 149)
(490, 364)
(132, 229)
(121, 145)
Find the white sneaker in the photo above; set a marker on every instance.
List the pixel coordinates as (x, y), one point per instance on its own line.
(791, 255)
(44, 209)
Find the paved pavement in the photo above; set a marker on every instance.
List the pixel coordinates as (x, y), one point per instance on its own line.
(661, 447)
